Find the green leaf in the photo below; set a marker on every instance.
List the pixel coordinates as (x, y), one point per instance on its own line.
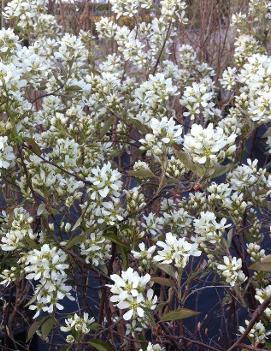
(94, 326)
(47, 327)
(33, 298)
(33, 328)
(229, 237)
(267, 133)
(142, 174)
(41, 209)
(77, 223)
(37, 323)
(163, 281)
(263, 266)
(100, 345)
(139, 126)
(34, 146)
(167, 269)
(179, 314)
(78, 239)
(115, 239)
(125, 257)
(161, 305)
(189, 164)
(31, 243)
(221, 170)
(142, 340)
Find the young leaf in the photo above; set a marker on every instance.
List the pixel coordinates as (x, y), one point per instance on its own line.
(33, 328)
(263, 266)
(142, 174)
(100, 345)
(75, 240)
(47, 326)
(34, 146)
(167, 269)
(77, 223)
(189, 164)
(115, 239)
(221, 170)
(179, 314)
(163, 281)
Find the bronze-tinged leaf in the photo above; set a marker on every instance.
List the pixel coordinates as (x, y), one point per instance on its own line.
(262, 266)
(163, 281)
(168, 269)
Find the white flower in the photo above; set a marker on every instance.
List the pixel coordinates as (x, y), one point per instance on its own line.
(20, 228)
(231, 270)
(155, 93)
(176, 251)
(208, 144)
(130, 292)
(6, 153)
(144, 255)
(153, 224)
(255, 251)
(152, 347)
(208, 229)
(77, 326)
(165, 133)
(229, 78)
(129, 7)
(106, 182)
(170, 8)
(47, 266)
(258, 333)
(96, 249)
(198, 99)
(250, 180)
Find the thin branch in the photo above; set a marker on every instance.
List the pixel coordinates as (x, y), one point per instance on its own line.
(255, 317)
(253, 348)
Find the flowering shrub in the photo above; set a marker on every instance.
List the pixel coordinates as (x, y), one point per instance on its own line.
(128, 184)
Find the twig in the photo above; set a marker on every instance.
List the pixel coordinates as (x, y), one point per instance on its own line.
(253, 348)
(58, 167)
(196, 342)
(162, 49)
(255, 317)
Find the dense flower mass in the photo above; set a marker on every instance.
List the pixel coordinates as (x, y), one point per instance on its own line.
(134, 175)
(130, 292)
(175, 251)
(209, 145)
(47, 266)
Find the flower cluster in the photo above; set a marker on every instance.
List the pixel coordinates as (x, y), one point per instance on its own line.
(176, 251)
(165, 133)
(77, 326)
(258, 334)
(6, 153)
(130, 292)
(208, 229)
(231, 270)
(126, 159)
(152, 347)
(47, 266)
(209, 145)
(129, 8)
(20, 228)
